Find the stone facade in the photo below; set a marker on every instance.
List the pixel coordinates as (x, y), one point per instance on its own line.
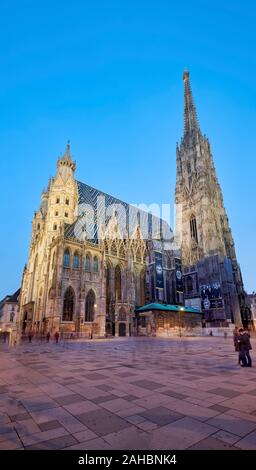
(212, 276)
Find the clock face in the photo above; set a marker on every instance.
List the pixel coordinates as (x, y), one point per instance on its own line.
(157, 245)
(178, 275)
(159, 269)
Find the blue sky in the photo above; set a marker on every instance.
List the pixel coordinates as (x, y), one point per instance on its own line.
(108, 76)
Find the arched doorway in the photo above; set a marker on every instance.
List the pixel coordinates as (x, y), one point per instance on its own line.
(24, 323)
(68, 305)
(122, 329)
(90, 306)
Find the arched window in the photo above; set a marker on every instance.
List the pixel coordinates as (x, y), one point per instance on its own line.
(90, 306)
(68, 305)
(122, 314)
(76, 260)
(53, 259)
(95, 264)
(193, 228)
(67, 201)
(55, 227)
(34, 277)
(118, 283)
(189, 284)
(108, 287)
(57, 200)
(66, 259)
(88, 264)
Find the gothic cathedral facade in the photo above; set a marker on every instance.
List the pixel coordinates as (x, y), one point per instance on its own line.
(94, 258)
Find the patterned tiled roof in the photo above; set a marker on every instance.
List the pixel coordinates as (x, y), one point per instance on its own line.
(96, 207)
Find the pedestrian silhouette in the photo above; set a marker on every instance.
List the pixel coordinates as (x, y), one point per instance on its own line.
(56, 336)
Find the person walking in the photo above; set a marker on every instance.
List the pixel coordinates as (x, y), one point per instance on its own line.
(30, 336)
(236, 343)
(56, 336)
(48, 337)
(244, 347)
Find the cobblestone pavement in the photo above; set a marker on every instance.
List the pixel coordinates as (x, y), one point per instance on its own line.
(129, 393)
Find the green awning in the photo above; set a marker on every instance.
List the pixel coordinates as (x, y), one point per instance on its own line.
(166, 308)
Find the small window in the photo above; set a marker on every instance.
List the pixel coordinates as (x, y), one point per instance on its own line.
(193, 229)
(55, 227)
(87, 264)
(67, 201)
(57, 200)
(38, 226)
(56, 213)
(76, 261)
(66, 214)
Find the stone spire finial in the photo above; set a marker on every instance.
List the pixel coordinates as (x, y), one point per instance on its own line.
(66, 160)
(190, 117)
(68, 149)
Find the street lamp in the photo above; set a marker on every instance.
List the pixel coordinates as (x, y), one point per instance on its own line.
(181, 309)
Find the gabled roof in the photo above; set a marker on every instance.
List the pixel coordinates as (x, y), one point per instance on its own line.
(166, 308)
(10, 298)
(14, 297)
(103, 206)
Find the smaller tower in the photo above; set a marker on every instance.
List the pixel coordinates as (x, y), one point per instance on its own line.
(62, 196)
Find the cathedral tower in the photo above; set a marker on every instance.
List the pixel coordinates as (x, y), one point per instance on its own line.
(212, 277)
(58, 208)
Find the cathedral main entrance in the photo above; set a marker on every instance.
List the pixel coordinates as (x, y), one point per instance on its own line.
(122, 329)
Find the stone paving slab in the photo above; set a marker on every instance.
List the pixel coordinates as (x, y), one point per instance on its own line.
(127, 393)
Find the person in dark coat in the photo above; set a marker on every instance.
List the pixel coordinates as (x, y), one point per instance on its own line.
(48, 337)
(57, 335)
(236, 344)
(244, 348)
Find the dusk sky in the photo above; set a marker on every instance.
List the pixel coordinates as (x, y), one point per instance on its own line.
(108, 76)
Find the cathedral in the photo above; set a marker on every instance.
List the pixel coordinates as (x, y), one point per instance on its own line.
(94, 259)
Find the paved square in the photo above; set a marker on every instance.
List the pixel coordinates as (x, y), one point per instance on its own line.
(127, 393)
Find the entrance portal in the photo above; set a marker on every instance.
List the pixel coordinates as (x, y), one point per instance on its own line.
(24, 323)
(122, 329)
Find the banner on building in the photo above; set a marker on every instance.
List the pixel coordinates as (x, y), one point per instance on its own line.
(159, 270)
(178, 275)
(211, 296)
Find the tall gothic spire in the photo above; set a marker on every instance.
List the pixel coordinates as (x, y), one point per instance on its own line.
(190, 117)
